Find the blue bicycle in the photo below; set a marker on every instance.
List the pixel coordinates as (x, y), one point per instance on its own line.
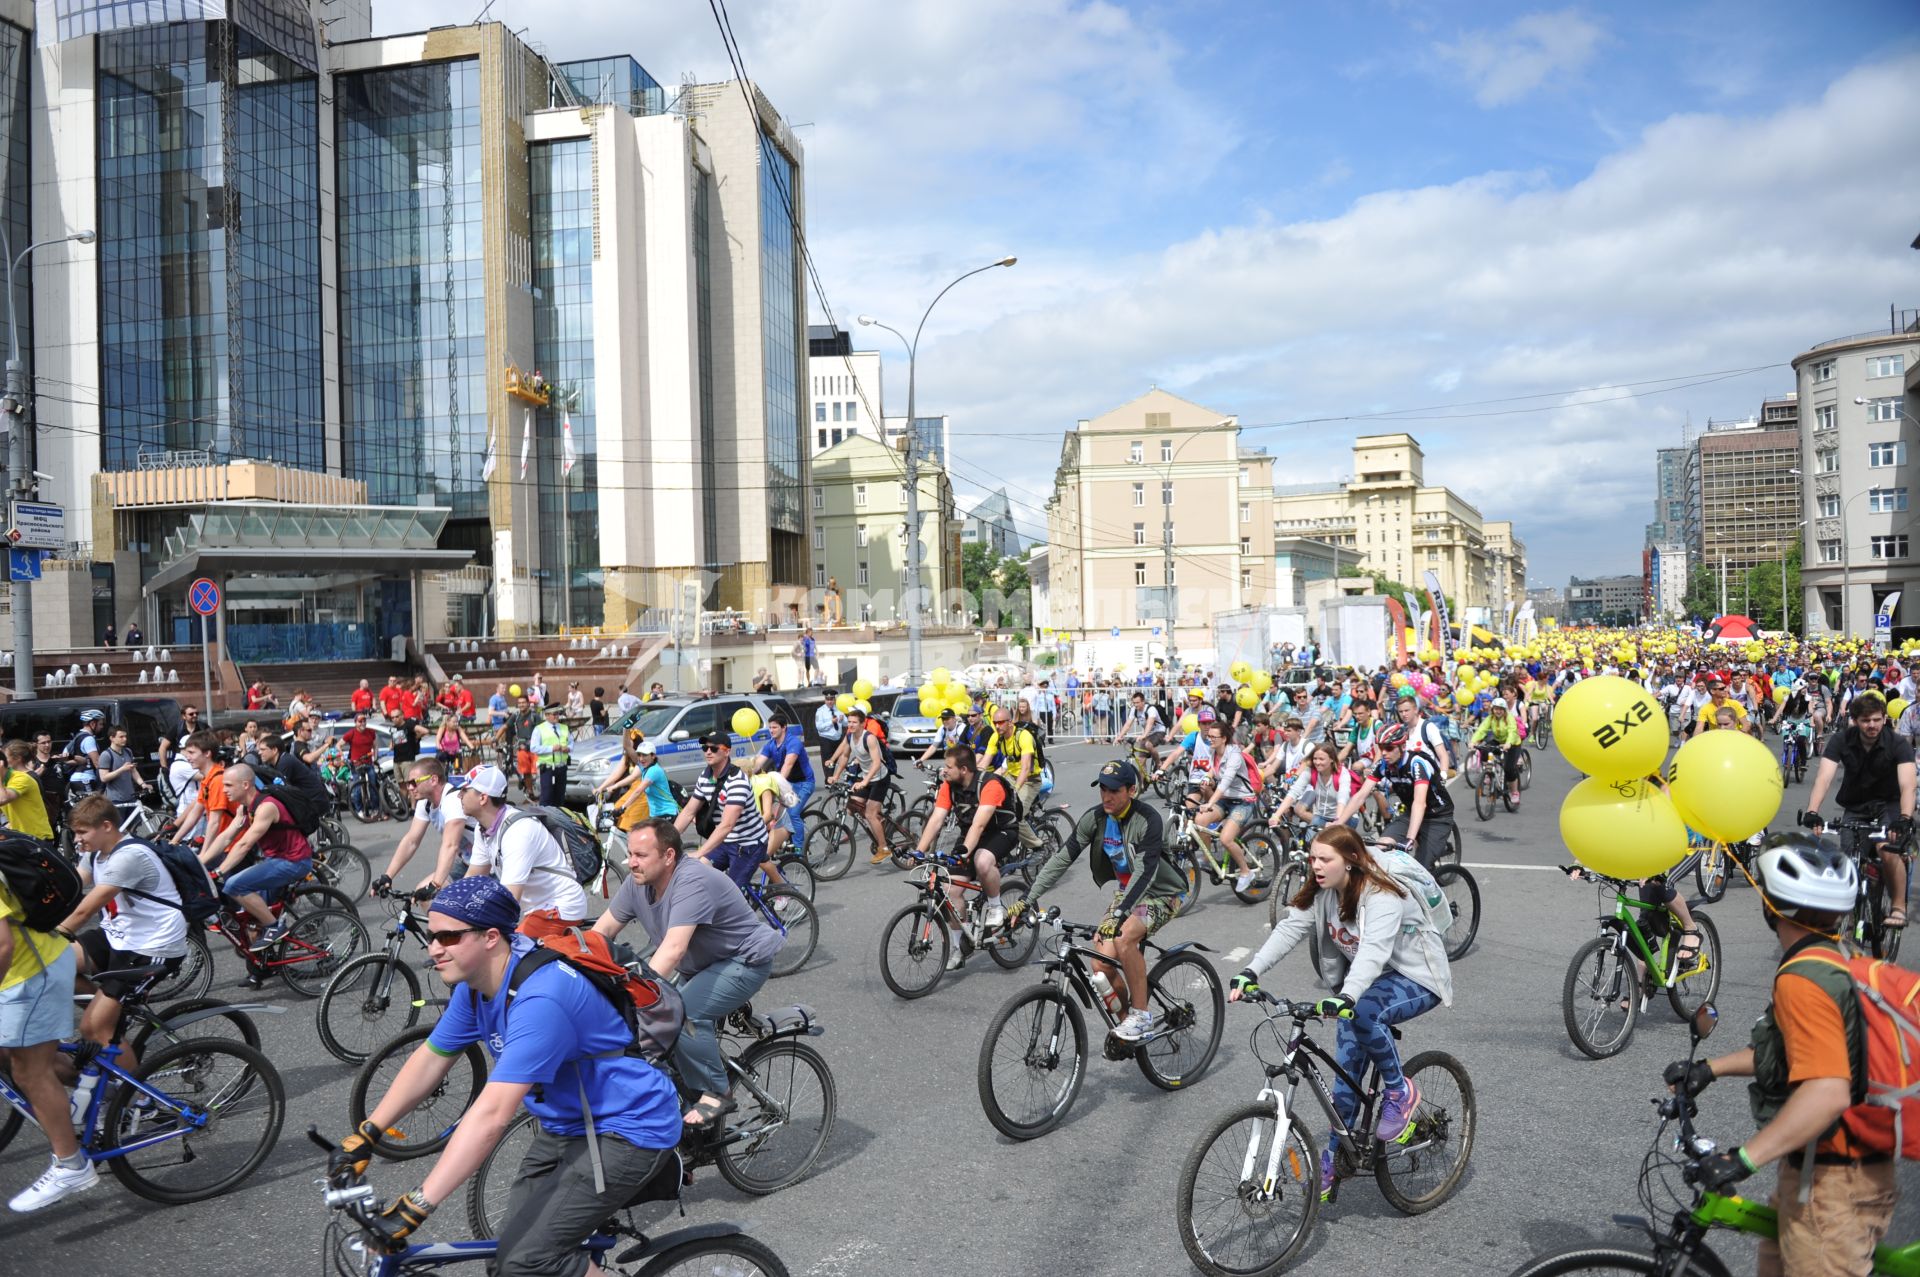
(361, 1245)
(1796, 737)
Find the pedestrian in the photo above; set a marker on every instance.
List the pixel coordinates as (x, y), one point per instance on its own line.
(627, 703)
(549, 744)
(597, 710)
(134, 637)
(108, 638)
(809, 657)
(829, 725)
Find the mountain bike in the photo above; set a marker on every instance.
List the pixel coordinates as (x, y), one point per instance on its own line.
(359, 1246)
(1490, 789)
(1610, 977)
(1034, 1056)
(375, 995)
(1795, 744)
(793, 916)
(314, 948)
(343, 867)
(1194, 858)
(1864, 840)
(833, 841)
(1249, 1190)
(795, 872)
(916, 941)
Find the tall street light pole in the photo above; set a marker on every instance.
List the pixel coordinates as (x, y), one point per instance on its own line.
(914, 667)
(15, 412)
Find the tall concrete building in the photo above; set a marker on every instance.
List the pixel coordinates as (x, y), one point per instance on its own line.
(859, 546)
(844, 388)
(1743, 481)
(1669, 497)
(1859, 397)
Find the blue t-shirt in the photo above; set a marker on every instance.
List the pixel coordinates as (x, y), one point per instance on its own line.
(558, 1020)
(1116, 848)
(778, 752)
(497, 709)
(660, 800)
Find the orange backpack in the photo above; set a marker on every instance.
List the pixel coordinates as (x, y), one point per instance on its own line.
(1887, 1120)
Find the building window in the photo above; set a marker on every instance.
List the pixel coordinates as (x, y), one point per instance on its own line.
(1887, 454)
(819, 537)
(822, 435)
(1246, 578)
(836, 410)
(819, 498)
(1166, 493)
(1886, 408)
(859, 494)
(820, 574)
(1433, 556)
(1826, 418)
(1139, 494)
(1827, 461)
(1246, 545)
(1166, 450)
(860, 537)
(1139, 574)
(1890, 547)
(1823, 371)
(1829, 506)
(1137, 451)
(1886, 365)
(819, 412)
(839, 435)
(860, 574)
(1886, 500)
(1246, 512)
(1139, 533)
(852, 413)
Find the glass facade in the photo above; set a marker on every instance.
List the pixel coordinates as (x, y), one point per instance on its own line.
(781, 312)
(617, 81)
(562, 189)
(703, 321)
(209, 247)
(413, 348)
(14, 169)
(284, 24)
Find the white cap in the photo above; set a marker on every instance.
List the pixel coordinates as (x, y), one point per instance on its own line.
(648, 746)
(487, 779)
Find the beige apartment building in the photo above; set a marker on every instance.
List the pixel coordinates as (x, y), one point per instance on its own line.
(1158, 512)
(859, 544)
(1391, 521)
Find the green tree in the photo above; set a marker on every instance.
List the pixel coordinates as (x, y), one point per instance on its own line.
(1011, 576)
(976, 573)
(1760, 592)
(1703, 592)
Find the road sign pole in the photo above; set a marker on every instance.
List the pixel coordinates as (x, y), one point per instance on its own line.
(203, 597)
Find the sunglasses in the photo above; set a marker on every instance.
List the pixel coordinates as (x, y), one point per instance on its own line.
(711, 749)
(447, 939)
(411, 781)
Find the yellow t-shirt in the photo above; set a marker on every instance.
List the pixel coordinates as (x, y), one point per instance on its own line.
(1709, 710)
(1002, 756)
(33, 951)
(27, 814)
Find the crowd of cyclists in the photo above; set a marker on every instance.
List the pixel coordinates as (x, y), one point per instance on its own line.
(1355, 764)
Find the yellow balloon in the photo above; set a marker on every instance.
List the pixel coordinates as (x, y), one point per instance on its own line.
(745, 722)
(1610, 727)
(1189, 723)
(1725, 784)
(1468, 672)
(862, 689)
(514, 690)
(1622, 828)
(940, 677)
(1261, 682)
(1464, 696)
(1779, 696)
(1246, 698)
(930, 695)
(1895, 707)
(1238, 671)
(843, 702)
(862, 704)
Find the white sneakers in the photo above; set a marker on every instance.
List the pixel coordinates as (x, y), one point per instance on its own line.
(1137, 1025)
(1243, 881)
(54, 1183)
(996, 916)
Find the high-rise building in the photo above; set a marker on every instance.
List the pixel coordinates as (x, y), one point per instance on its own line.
(1669, 497)
(931, 431)
(1667, 580)
(844, 388)
(1743, 494)
(1859, 399)
(988, 520)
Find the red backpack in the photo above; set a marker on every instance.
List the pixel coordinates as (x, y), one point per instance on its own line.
(1887, 1120)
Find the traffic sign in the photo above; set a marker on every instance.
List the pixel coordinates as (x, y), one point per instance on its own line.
(23, 565)
(39, 525)
(1114, 632)
(1881, 621)
(203, 596)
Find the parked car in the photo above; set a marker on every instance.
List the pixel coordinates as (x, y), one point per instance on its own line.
(146, 718)
(333, 729)
(677, 723)
(909, 732)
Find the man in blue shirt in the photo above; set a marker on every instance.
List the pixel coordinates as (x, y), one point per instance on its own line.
(559, 1047)
(786, 753)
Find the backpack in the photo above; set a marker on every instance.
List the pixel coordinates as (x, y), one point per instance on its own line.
(303, 808)
(1414, 879)
(576, 840)
(44, 882)
(878, 730)
(199, 899)
(1890, 1022)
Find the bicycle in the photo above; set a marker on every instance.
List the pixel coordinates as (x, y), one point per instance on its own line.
(1867, 927)
(832, 842)
(1037, 1040)
(916, 941)
(794, 870)
(1679, 1244)
(1794, 747)
(1490, 789)
(343, 867)
(192, 1104)
(315, 947)
(1603, 983)
(791, 914)
(1217, 862)
(363, 1249)
(357, 1010)
(1249, 1191)
(1459, 885)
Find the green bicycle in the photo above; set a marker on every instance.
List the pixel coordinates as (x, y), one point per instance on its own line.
(1605, 989)
(1668, 1191)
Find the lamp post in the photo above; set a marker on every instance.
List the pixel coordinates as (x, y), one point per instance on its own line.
(19, 422)
(913, 464)
(1166, 532)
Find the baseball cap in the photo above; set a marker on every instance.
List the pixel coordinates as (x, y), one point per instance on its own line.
(1117, 774)
(947, 712)
(717, 738)
(486, 779)
(648, 746)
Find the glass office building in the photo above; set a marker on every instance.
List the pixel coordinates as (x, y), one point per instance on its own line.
(16, 170)
(781, 313)
(208, 142)
(562, 190)
(413, 347)
(617, 81)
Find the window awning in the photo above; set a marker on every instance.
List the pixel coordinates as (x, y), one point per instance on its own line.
(269, 536)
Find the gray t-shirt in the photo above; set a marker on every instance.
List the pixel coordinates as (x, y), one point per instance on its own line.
(122, 788)
(700, 896)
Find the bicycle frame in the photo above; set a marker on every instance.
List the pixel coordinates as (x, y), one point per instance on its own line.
(1071, 960)
(193, 1120)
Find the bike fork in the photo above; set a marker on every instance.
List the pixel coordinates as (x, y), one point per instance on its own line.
(1282, 1127)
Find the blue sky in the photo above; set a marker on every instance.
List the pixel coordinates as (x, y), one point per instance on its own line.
(1294, 210)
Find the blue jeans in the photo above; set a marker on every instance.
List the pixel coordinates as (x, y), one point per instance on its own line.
(710, 997)
(1391, 999)
(266, 878)
(796, 821)
(738, 860)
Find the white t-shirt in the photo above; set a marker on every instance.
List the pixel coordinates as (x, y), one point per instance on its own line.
(133, 923)
(437, 818)
(524, 854)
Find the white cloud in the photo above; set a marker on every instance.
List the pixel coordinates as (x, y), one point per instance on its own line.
(1505, 66)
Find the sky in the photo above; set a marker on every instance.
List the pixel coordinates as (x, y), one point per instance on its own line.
(1539, 239)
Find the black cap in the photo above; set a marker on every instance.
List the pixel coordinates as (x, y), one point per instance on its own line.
(947, 712)
(717, 738)
(1117, 774)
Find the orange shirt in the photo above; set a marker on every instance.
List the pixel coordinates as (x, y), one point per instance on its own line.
(213, 790)
(1816, 1041)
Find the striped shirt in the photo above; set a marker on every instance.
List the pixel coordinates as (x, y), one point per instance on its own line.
(736, 791)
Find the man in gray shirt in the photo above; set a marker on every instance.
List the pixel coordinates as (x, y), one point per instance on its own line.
(120, 773)
(705, 937)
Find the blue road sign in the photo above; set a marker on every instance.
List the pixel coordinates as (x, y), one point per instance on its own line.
(23, 565)
(203, 596)
(1114, 632)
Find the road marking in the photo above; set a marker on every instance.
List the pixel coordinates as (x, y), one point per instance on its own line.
(1234, 955)
(1481, 864)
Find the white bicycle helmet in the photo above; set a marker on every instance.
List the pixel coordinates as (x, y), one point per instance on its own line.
(1799, 871)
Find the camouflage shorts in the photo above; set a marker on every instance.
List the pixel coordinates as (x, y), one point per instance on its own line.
(1155, 911)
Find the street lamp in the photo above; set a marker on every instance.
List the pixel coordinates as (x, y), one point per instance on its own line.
(913, 463)
(19, 463)
(1166, 533)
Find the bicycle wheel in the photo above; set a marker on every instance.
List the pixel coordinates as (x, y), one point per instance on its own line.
(347, 869)
(1418, 1175)
(913, 951)
(1525, 768)
(1185, 860)
(311, 895)
(228, 1090)
(230, 1025)
(1473, 769)
(1463, 900)
(1012, 947)
(795, 872)
(1292, 876)
(792, 915)
(1710, 873)
(829, 849)
(428, 1127)
(787, 1106)
(393, 799)
(1032, 1062)
(1484, 795)
(1190, 1012)
(1235, 1219)
(317, 946)
(1264, 852)
(369, 999)
(12, 1120)
(1600, 998)
(1456, 844)
(1689, 989)
(1616, 1259)
(192, 978)
(492, 1185)
(742, 1256)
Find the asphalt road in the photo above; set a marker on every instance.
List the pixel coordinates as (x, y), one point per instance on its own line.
(916, 1180)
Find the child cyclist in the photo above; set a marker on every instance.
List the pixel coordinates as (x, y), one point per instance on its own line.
(1383, 949)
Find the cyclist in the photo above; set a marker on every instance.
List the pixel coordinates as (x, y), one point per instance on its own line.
(1879, 786)
(202, 751)
(866, 748)
(786, 753)
(950, 732)
(1126, 844)
(21, 802)
(1383, 953)
(734, 835)
(1424, 736)
(1808, 1063)
(37, 970)
(1147, 728)
(1717, 700)
(262, 822)
(707, 939)
(606, 1118)
(1197, 747)
(1011, 752)
(1499, 742)
(437, 813)
(1231, 800)
(1790, 717)
(985, 813)
(1289, 750)
(1539, 699)
(1323, 787)
(362, 746)
(1425, 822)
(516, 848)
